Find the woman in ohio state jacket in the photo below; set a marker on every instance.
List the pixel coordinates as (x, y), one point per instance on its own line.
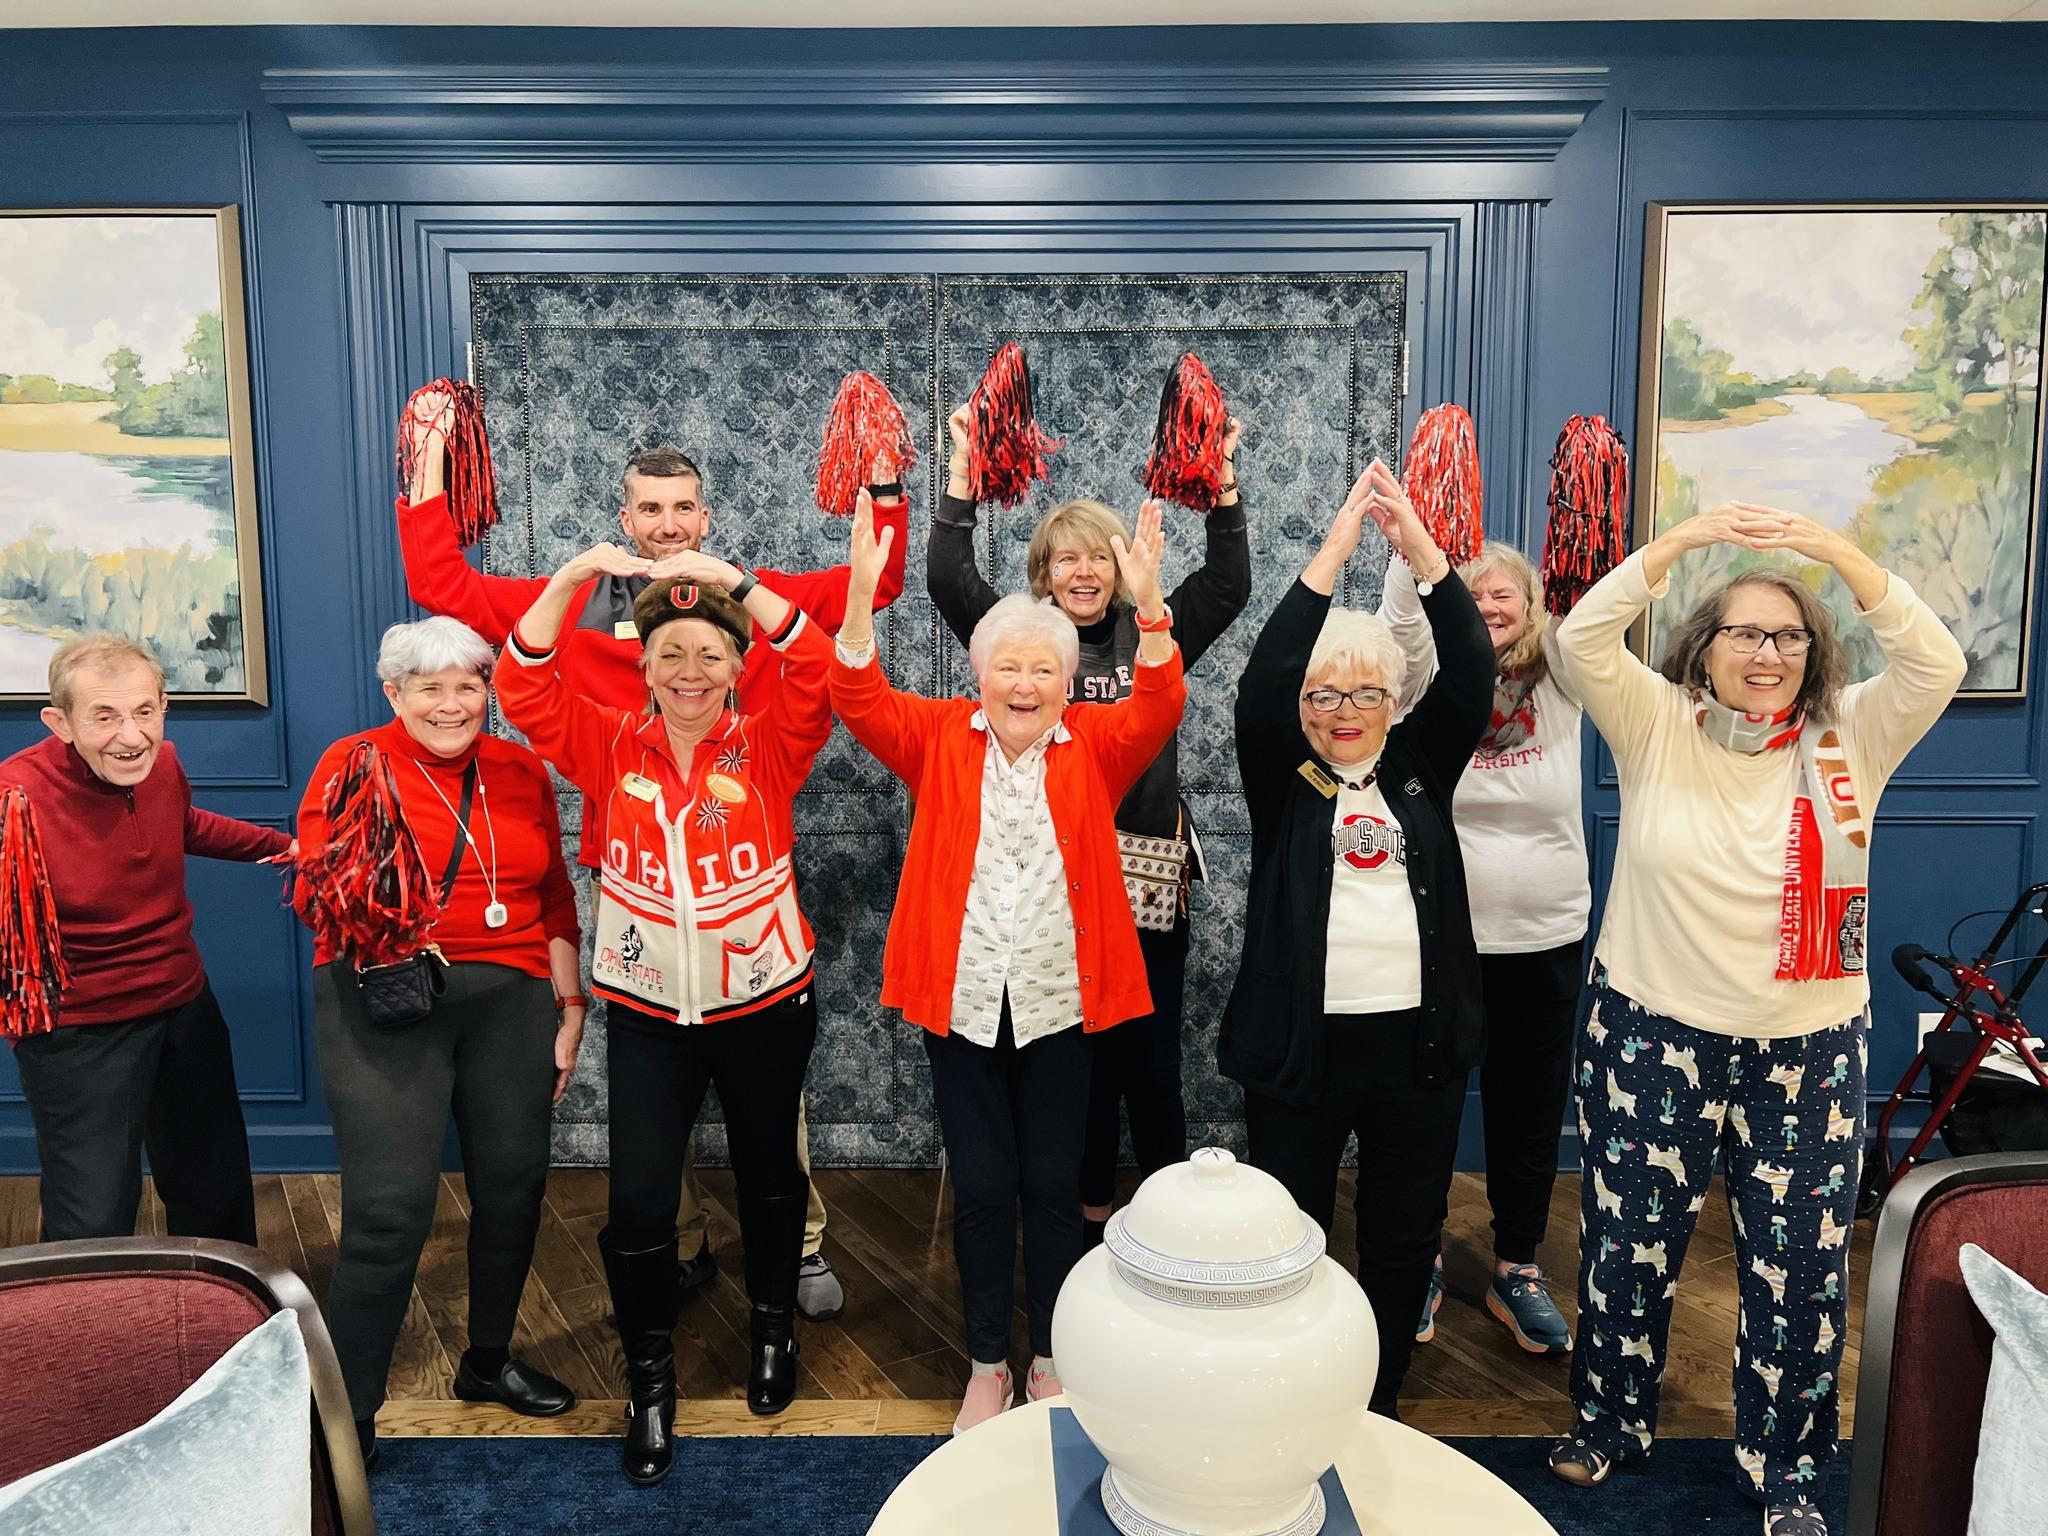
(702, 952)
(1012, 939)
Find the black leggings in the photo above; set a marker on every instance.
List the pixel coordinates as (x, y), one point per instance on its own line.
(1532, 1004)
(488, 1051)
(1137, 1066)
(658, 1073)
(1407, 1142)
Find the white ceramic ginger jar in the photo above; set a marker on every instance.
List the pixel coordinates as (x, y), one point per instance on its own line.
(1214, 1355)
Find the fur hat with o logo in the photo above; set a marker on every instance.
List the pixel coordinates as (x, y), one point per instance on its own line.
(663, 602)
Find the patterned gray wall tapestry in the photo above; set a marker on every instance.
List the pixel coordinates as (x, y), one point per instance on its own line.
(578, 372)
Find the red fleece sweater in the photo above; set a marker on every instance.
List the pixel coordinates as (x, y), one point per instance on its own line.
(117, 864)
(514, 822)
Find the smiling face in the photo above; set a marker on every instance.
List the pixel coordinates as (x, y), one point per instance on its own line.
(664, 514)
(691, 666)
(1503, 607)
(1348, 734)
(115, 721)
(1082, 581)
(1023, 693)
(1765, 683)
(443, 710)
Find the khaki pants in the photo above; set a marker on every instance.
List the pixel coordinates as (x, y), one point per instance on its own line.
(692, 1217)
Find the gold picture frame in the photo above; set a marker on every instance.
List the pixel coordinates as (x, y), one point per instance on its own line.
(1834, 358)
(128, 478)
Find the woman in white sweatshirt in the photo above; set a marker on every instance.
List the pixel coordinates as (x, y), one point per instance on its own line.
(1727, 1009)
(1523, 837)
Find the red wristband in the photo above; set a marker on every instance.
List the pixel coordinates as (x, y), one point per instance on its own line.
(571, 1000)
(1154, 626)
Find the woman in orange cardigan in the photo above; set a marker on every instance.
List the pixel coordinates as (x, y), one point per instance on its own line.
(1011, 925)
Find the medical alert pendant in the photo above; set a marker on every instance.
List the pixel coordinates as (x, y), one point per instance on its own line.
(495, 915)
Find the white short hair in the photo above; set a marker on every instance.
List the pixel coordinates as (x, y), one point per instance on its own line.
(1362, 642)
(432, 645)
(1018, 619)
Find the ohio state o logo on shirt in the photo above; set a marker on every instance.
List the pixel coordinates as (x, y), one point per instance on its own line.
(1366, 842)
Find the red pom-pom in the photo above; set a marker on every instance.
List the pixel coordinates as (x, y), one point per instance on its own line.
(1186, 465)
(1441, 476)
(1588, 532)
(32, 970)
(366, 892)
(1009, 447)
(865, 424)
(472, 484)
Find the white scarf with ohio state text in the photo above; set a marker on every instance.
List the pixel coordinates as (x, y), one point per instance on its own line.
(1824, 913)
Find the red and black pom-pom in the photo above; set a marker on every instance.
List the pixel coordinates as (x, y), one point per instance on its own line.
(365, 892)
(472, 484)
(32, 970)
(865, 424)
(1186, 465)
(1588, 532)
(1440, 473)
(1009, 446)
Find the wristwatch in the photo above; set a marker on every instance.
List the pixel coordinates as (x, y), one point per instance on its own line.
(747, 582)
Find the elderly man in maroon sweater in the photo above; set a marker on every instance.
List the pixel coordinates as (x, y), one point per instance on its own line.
(139, 1056)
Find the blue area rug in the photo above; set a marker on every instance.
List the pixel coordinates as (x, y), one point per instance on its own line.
(823, 1486)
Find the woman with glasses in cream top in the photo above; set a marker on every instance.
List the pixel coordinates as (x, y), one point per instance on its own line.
(1357, 1003)
(1726, 1014)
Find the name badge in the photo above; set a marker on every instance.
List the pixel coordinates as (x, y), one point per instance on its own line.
(624, 630)
(1324, 784)
(640, 788)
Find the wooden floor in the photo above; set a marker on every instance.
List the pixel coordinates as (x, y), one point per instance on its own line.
(895, 1363)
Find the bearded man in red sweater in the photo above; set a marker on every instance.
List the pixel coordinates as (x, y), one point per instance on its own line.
(139, 1056)
(663, 512)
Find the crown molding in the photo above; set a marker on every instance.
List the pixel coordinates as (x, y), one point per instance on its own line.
(1506, 113)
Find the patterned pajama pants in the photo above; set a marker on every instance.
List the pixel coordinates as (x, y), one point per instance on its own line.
(1660, 1105)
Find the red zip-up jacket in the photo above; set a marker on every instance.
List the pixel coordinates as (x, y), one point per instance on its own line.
(598, 662)
(940, 757)
(697, 915)
(117, 867)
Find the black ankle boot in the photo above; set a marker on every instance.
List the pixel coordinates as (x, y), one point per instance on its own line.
(771, 1379)
(773, 1232)
(643, 1285)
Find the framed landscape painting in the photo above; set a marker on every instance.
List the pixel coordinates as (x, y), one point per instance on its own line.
(127, 476)
(1877, 368)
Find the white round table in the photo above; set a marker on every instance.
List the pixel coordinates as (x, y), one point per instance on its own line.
(997, 1480)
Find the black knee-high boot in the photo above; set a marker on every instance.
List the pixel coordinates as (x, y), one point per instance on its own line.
(773, 1232)
(643, 1286)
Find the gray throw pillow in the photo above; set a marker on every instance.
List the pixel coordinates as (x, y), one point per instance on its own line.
(232, 1453)
(2011, 1496)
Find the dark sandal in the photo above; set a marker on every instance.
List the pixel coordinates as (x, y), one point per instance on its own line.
(1579, 1462)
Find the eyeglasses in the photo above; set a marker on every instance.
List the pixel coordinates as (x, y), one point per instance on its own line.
(1066, 565)
(1747, 639)
(1324, 701)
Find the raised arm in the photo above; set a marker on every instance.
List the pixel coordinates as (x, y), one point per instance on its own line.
(437, 576)
(824, 594)
(1269, 739)
(1924, 666)
(569, 730)
(892, 725)
(1209, 600)
(959, 591)
(1451, 712)
(1127, 736)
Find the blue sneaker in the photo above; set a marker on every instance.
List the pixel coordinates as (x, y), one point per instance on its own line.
(1519, 1299)
(1426, 1330)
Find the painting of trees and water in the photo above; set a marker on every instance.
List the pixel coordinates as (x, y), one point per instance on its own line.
(1875, 369)
(126, 481)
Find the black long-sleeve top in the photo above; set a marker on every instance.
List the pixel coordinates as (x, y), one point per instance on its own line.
(1272, 1034)
(1204, 605)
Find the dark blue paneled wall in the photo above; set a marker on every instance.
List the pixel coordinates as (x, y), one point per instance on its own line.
(358, 265)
